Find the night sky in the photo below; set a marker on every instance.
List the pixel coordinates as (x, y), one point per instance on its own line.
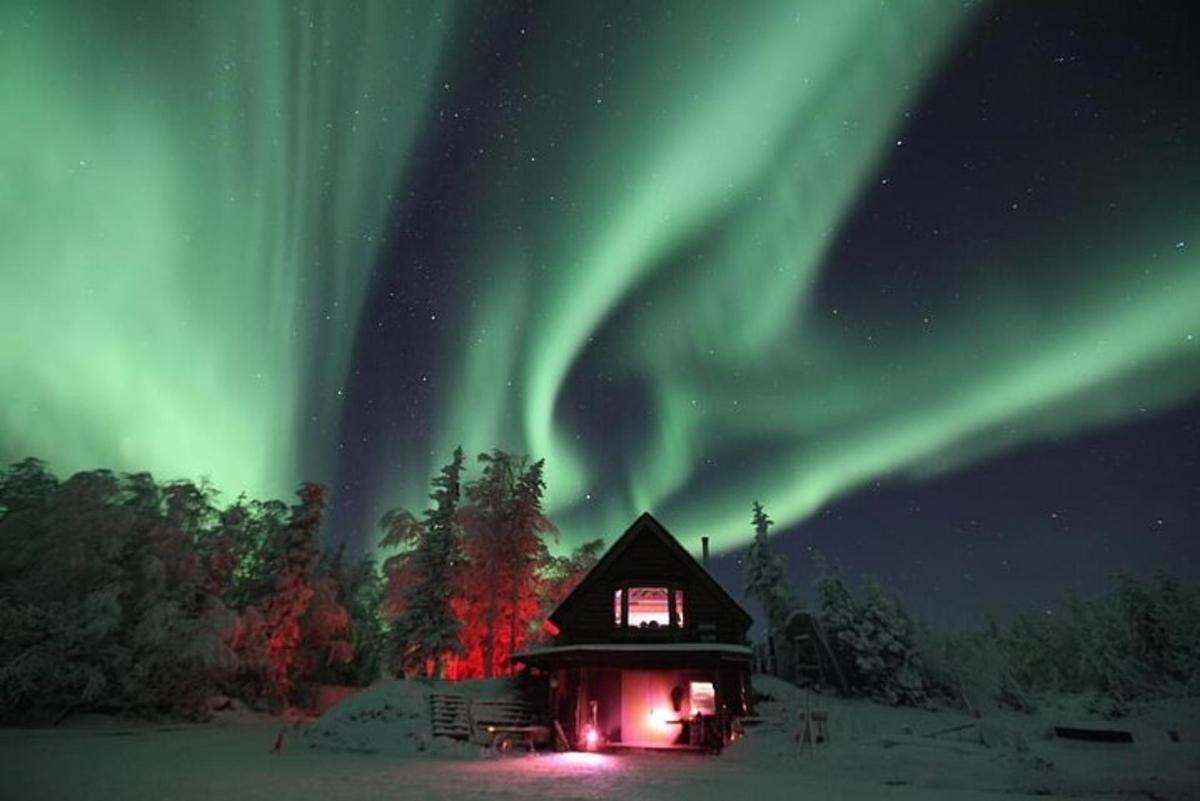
(919, 276)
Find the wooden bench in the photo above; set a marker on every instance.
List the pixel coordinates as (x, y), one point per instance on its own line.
(503, 738)
(499, 724)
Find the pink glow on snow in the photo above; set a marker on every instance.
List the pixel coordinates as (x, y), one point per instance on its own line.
(585, 759)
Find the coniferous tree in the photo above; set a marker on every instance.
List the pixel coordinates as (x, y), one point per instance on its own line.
(527, 553)
(874, 641)
(766, 575)
(26, 490)
(178, 632)
(489, 521)
(28, 484)
(216, 550)
(560, 575)
(257, 530)
(287, 606)
(120, 593)
(361, 594)
(504, 530)
(427, 629)
(563, 573)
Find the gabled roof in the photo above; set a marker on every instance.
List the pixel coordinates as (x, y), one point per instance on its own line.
(647, 525)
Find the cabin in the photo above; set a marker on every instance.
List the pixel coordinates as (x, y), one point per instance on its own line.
(648, 651)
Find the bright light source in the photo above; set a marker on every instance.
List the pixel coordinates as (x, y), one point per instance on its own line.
(661, 720)
(591, 737)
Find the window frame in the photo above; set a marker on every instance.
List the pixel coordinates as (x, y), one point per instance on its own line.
(675, 593)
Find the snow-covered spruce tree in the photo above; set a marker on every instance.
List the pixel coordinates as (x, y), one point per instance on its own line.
(66, 644)
(26, 490)
(970, 669)
(177, 628)
(301, 620)
(55, 657)
(426, 629)
(888, 660)
(1176, 633)
(27, 485)
(124, 590)
(838, 616)
(1136, 642)
(293, 592)
(766, 574)
(527, 553)
(361, 594)
(256, 529)
(121, 620)
(873, 641)
(489, 522)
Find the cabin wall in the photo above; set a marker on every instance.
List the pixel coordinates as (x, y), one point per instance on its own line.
(648, 562)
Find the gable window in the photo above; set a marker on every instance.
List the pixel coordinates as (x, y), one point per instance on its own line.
(648, 607)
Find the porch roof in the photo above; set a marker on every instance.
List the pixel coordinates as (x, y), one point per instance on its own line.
(670, 654)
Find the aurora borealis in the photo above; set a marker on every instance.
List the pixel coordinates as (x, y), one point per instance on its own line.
(692, 254)
(191, 203)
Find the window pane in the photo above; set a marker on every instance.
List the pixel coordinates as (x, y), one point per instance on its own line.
(679, 608)
(617, 606)
(649, 607)
(703, 698)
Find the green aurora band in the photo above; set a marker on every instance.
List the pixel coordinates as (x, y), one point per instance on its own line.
(768, 141)
(195, 235)
(192, 204)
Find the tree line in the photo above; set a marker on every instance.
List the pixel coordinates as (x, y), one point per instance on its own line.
(1140, 640)
(120, 593)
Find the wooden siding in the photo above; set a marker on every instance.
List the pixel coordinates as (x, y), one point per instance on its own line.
(647, 561)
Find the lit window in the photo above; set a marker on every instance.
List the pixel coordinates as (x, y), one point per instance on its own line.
(679, 608)
(703, 698)
(649, 607)
(617, 606)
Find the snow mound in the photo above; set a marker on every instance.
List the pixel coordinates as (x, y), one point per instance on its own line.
(392, 717)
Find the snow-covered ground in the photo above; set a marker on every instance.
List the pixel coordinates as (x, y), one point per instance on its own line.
(873, 752)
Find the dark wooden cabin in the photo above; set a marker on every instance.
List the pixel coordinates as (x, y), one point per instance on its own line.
(649, 650)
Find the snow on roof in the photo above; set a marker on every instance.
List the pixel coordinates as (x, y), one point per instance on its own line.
(665, 647)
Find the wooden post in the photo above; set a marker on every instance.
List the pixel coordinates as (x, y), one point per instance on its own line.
(560, 737)
(806, 730)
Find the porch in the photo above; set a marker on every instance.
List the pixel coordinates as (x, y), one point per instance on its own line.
(674, 696)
